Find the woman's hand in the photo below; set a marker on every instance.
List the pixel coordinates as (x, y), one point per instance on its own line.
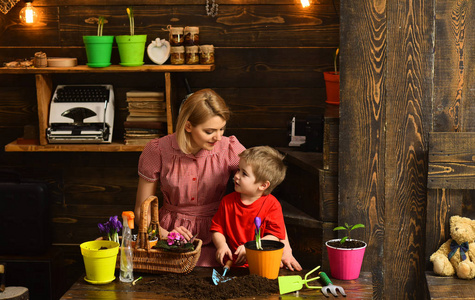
(241, 255)
(184, 232)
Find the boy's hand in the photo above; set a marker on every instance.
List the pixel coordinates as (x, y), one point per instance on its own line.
(223, 254)
(241, 255)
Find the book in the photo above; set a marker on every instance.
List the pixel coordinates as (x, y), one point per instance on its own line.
(145, 124)
(145, 99)
(156, 118)
(142, 94)
(146, 113)
(146, 105)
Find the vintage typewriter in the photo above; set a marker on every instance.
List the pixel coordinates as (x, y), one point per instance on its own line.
(81, 114)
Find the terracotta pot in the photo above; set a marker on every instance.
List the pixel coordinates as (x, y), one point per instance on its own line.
(332, 85)
(345, 263)
(265, 263)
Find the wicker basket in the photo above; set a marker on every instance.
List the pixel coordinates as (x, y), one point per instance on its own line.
(148, 260)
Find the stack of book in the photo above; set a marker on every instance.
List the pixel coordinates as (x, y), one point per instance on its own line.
(147, 117)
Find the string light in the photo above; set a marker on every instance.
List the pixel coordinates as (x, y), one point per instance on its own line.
(28, 14)
(305, 3)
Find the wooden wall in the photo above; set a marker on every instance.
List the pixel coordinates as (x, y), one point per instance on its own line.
(407, 70)
(270, 56)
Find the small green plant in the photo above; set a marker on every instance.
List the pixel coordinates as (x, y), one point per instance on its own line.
(100, 23)
(348, 228)
(130, 13)
(335, 59)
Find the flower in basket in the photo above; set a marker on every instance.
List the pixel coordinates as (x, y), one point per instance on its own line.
(100, 23)
(176, 242)
(257, 222)
(111, 228)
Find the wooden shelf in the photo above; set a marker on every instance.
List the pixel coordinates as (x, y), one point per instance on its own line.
(44, 92)
(110, 69)
(112, 147)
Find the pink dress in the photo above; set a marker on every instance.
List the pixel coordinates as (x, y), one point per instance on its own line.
(192, 185)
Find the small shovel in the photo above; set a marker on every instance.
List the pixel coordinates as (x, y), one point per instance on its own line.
(294, 283)
(330, 287)
(218, 278)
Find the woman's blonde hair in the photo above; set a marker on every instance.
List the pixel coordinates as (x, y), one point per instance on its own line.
(197, 109)
(267, 164)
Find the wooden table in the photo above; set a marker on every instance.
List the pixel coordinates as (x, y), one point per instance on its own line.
(449, 287)
(360, 288)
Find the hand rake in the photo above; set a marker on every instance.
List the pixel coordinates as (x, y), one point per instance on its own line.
(218, 278)
(330, 287)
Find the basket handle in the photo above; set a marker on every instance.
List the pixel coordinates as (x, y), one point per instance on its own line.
(150, 203)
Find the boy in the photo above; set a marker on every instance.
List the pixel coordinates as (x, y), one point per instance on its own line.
(260, 170)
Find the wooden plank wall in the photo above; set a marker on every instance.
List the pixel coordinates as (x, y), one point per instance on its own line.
(407, 70)
(270, 56)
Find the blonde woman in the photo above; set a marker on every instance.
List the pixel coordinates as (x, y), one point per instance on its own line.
(192, 167)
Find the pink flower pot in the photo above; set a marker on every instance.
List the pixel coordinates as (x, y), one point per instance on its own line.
(345, 263)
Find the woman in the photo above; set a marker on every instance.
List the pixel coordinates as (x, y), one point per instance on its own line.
(193, 166)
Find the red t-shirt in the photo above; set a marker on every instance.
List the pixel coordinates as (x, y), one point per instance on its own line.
(235, 220)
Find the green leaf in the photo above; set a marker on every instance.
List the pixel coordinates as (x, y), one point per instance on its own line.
(346, 225)
(357, 226)
(339, 228)
(343, 240)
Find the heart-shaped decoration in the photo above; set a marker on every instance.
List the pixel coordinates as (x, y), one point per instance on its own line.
(159, 51)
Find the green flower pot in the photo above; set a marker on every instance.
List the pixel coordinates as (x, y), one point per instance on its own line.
(131, 49)
(98, 50)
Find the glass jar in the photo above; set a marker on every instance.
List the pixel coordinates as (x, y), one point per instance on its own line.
(177, 55)
(192, 36)
(192, 55)
(207, 54)
(176, 36)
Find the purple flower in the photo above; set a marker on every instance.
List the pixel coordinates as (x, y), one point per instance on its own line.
(111, 228)
(174, 238)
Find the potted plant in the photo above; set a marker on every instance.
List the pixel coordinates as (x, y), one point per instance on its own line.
(176, 242)
(131, 47)
(151, 236)
(263, 256)
(345, 255)
(332, 82)
(100, 255)
(98, 47)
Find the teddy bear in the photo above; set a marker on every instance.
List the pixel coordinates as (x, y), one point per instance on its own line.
(457, 255)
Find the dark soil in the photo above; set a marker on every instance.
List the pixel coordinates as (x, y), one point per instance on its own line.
(193, 287)
(347, 244)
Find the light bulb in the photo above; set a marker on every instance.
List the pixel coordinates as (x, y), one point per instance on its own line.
(305, 3)
(28, 14)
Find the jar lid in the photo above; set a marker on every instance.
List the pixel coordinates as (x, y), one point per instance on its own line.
(192, 29)
(192, 49)
(176, 30)
(206, 48)
(178, 49)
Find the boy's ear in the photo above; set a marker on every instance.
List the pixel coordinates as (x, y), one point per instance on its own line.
(188, 126)
(264, 185)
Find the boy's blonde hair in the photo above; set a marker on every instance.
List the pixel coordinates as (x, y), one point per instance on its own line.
(197, 109)
(267, 165)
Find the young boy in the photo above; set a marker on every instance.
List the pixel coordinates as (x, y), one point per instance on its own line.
(260, 170)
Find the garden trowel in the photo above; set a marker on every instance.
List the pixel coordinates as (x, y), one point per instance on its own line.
(294, 283)
(218, 278)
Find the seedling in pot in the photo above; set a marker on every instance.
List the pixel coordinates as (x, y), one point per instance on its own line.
(348, 228)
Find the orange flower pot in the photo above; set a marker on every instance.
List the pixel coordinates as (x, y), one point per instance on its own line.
(265, 263)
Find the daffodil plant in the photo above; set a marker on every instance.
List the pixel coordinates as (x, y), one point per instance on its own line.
(130, 13)
(111, 228)
(348, 228)
(100, 23)
(257, 222)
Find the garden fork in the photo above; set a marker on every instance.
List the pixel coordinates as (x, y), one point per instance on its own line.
(330, 287)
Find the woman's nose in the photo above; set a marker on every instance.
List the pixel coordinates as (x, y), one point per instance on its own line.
(218, 135)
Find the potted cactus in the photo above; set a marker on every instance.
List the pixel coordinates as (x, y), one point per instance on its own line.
(98, 47)
(131, 47)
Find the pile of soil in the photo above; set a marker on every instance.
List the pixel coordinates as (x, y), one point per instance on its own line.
(193, 287)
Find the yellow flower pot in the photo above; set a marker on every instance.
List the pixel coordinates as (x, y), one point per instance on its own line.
(265, 263)
(99, 263)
